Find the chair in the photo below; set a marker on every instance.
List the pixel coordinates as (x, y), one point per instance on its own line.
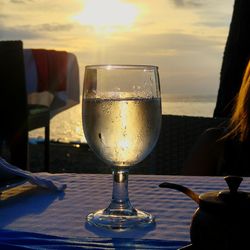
(38, 117)
(177, 137)
(17, 117)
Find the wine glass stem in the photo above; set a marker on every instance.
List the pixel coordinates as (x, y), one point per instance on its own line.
(120, 203)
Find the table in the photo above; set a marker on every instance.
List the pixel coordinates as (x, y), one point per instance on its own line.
(60, 79)
(31, 209)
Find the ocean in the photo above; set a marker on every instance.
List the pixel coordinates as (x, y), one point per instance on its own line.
(67, 126)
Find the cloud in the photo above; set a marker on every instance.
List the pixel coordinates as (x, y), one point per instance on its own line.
(185, 61)
(2, 16)
(171, 48)
(51, 27)
(187, 3)
(32, 31)
(20, 1)
(214, 23)
(169, 44)
(21, 32)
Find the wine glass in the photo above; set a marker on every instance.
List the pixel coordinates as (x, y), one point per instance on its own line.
(121, 117)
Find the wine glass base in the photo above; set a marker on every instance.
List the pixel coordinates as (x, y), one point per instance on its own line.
(120, 222)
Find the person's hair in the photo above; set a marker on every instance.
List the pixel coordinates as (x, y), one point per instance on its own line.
(239, 124)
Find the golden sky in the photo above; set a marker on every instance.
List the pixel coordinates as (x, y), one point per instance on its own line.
(185, 38)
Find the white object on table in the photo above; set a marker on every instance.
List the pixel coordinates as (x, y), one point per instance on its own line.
(11, 171)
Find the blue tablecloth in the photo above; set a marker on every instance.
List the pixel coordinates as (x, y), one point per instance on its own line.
(26, 240)
(59, 218)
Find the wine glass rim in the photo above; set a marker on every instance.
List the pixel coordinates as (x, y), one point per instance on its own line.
(120, 66)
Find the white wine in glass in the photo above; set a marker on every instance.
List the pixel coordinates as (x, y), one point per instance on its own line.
(121, 116)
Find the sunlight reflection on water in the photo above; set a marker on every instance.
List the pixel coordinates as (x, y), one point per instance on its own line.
(67, 126)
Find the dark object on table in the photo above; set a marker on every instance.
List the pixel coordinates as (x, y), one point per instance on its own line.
(17, 117)
(222, 219)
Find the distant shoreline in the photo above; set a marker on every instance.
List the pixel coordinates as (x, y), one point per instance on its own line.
(188, 98)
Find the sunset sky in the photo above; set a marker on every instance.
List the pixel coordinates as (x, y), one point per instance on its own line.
(185, 38)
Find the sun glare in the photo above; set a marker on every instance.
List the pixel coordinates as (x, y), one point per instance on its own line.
(107, 15)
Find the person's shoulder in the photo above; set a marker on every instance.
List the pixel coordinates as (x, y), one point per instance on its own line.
(205, 154)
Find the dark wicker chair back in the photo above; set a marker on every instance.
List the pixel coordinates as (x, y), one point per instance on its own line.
(178, 135)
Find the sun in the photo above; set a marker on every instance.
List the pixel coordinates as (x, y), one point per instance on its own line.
(107, 15)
